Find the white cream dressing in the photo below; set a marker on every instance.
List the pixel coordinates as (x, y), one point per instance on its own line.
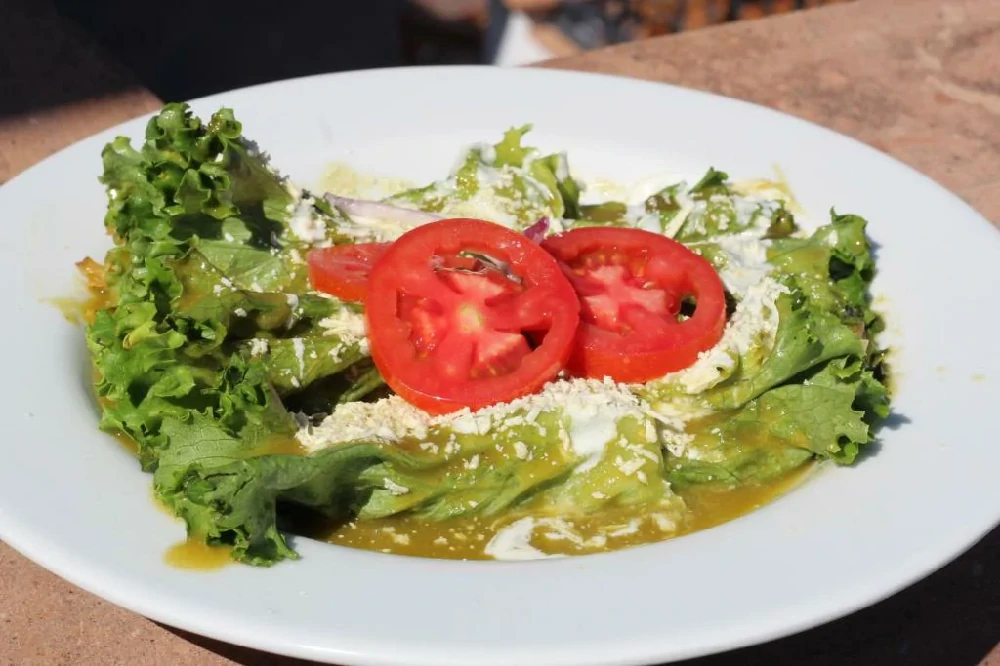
(299, 345)
(304, 224)
(746, 264)
(513, 542)
(590, 431)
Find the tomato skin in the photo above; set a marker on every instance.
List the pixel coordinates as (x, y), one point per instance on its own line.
(631, 276)
(343, 270)
(446, 340)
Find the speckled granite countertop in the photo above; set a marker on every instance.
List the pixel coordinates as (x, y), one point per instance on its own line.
(918, 79)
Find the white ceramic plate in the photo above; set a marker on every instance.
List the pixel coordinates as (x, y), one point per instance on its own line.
(73, 500)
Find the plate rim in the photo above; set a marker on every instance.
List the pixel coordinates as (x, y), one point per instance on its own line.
(34, 547)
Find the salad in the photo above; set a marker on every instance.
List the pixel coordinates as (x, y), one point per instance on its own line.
(506, 363)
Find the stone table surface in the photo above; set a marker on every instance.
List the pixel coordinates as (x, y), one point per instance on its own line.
(918, 79)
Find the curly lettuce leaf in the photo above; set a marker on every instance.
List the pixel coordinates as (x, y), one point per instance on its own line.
(772, 435)
(629, 472)
(205, 263)
(783, 224)
(505, 180)
(188, 178)
(713, 183)
(296, 363)
(254, 269)
(804, 339)
(230, 496)
(825, 316)
(516, 461)
(604, 214)
(718, 209)
(821, 388)
(753, 466)
(226, 494)
(833, 267)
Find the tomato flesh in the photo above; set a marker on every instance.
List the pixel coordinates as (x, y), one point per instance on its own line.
(632, 285)
(610, 293)
(467, 313)
(343, 270)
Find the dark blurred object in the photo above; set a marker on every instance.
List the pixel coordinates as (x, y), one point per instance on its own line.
(590, 24)
(191, 48)
(444, 32)
(455, 10)
(46, 63)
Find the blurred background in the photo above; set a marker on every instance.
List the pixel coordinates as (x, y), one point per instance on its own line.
(189, 48)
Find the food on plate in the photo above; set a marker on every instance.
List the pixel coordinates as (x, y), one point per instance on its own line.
(343, 270)
(467, 314)
(632, 286)
(510, 362)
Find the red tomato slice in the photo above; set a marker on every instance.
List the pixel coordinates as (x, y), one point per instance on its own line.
(466, 313)
(632, 284)
(343, 270)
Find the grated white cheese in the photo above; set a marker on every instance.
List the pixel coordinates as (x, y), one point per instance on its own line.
(746, 263)
(389, 419)
(514, 542)
(664, 522)
(347, 325)
(630, 467)
(259, 346)
(588, 403)
(757, 313)
(756, 316)
(557, 529)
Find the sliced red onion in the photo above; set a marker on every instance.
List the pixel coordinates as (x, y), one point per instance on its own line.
(380, 211)
(536, 232)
